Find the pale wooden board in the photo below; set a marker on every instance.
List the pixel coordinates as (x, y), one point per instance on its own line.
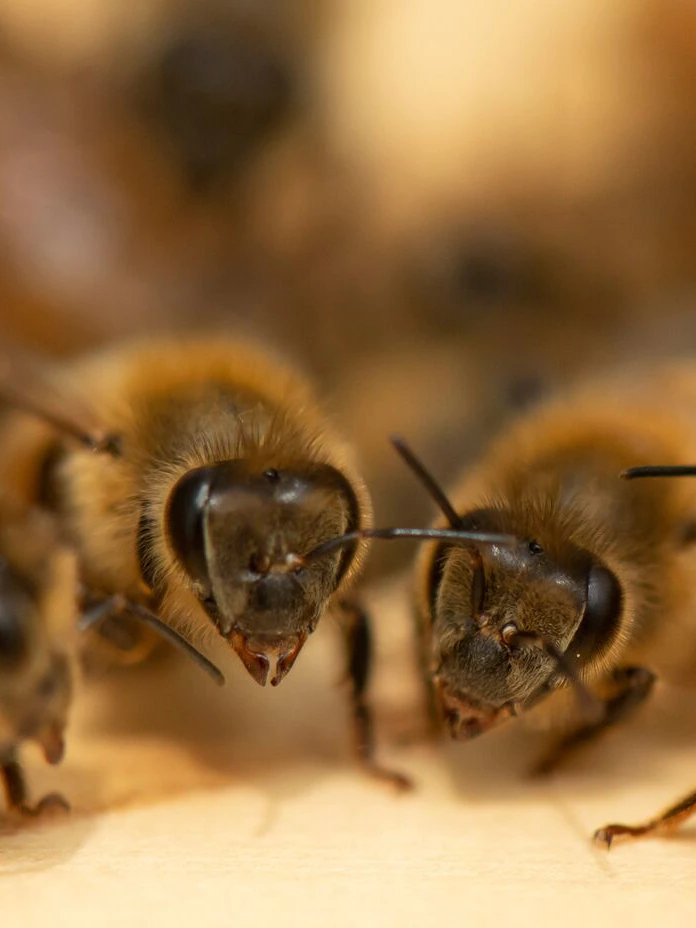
(194, 806)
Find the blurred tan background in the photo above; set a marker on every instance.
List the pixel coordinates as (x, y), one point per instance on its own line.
(443, 210)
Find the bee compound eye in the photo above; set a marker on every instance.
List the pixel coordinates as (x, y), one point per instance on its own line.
(604, 600)
(185, 522)
(601, 620)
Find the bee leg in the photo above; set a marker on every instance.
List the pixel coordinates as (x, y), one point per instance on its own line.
(634, 685)
(358, 643)
(666, 822)
(16, 794)
(131, 641)
(136, 630)
(433, 709)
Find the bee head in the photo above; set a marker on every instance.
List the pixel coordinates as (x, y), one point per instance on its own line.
(510, 623)
(240, 533)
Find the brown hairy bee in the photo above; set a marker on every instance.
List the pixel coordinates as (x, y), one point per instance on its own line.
(195, 479)
(38, 628)
(597, 586)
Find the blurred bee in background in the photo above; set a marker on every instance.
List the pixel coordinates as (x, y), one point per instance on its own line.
(517, 275)
(118, 156)
(597, 587)
(38, 631)
(216, 475)
(217, 93)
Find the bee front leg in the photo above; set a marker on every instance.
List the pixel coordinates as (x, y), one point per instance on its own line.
(666, 822)
(114, 618)
(358, 643)
(634, 685)
(141, 633)
(16, 794)
(433, 708)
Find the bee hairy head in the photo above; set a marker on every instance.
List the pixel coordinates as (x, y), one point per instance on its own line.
(511, 622)
(239, 529)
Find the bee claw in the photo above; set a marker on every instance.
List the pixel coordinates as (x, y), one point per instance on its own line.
(604, 837)
(53, 805)
(398, 781)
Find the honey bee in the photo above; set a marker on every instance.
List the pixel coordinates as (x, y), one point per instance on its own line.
(38, 629)
(596, 588)
(215, 474)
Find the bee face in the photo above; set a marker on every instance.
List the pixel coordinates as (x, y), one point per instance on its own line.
(240, 531)
(483, 597)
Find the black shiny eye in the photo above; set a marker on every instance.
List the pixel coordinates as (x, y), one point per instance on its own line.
(604, 598)
(271, 475)
(185, 517)
(600, 620)
(535, 548)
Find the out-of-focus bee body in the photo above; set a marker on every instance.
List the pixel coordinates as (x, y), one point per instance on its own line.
(218, 475)
(600, 586)
(38, 629)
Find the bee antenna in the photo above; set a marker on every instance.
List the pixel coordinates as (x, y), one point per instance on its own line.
(101, 442)
(591, 705)
(659, 470)
(177, 639)
(427, 479)
(423, 534)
